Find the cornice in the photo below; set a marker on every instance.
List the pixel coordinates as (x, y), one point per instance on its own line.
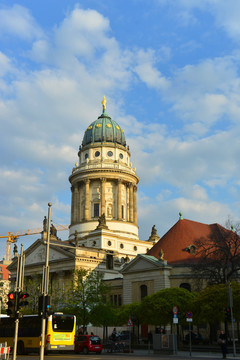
(97, 173)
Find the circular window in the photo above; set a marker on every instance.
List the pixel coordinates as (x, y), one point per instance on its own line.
(90, 127)
(109, 243)
(98, 125)
(86, 156)
(118, 127)
(121, 156)
(121, 246)
(110, 153)
(135, 248)
(109, 125)
(97, 153)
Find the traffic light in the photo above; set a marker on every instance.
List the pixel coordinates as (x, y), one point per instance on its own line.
(228, 315)
(11, 310)
(22, 300)
(44, 302)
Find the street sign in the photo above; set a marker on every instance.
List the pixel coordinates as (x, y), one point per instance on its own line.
(175, 320)
(175, 310)
(189, 314)
(130, 323)
(189, 319)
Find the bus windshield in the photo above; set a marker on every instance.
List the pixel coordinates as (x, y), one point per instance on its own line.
(62, 323)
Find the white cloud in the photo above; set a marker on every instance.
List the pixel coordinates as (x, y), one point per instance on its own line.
(225, 13)
(165, 214)
(50, 104)
(147, 72)
(18, 21)
(83, 32)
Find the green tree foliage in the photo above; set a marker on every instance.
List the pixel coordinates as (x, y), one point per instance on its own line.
(103, 315)
(157, 309)
(32, 287)
(125, 311)
(86, 291)
(209, 305)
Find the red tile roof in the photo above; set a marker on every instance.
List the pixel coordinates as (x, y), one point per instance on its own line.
(4, 271)
(183, 234)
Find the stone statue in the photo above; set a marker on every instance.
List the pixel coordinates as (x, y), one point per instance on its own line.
(154, 236)
(15, 250)
(102, 222)
(102, 219)
(161, 255)
(104, 103)
(154, 230)
(53, 230)
(45, 224)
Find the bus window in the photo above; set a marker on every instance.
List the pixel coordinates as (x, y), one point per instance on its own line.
(62, 323)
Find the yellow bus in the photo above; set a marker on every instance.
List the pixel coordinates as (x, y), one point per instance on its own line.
(60, 332)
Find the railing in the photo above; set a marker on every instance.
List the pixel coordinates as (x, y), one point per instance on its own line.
(4, 351)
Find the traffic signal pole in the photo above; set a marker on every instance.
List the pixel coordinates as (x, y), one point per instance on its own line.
(18, 289)
(45, 281)
(231, 308)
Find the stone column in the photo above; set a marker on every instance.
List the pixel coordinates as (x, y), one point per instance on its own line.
(87, 202)
(72, 204)
(135, 204)
(79, 203)
(131, 202)
(127, 203)
(119, 200)
(76, 217)
(103, 201)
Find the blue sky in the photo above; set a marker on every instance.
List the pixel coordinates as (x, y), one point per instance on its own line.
(170, 72)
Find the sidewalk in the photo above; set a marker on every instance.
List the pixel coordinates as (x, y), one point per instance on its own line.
(185, 354)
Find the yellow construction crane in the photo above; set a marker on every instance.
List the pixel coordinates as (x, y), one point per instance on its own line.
(12, 237)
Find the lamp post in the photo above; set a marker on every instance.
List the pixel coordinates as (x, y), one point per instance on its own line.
(45, 282)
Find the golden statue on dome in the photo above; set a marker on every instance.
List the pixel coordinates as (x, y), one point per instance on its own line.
(104, 103)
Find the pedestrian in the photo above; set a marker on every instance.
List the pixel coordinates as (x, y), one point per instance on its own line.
(114, 334)
(150, 337)
(222, 341)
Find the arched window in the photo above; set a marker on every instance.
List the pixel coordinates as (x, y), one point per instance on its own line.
(144, 291)
(186, 286)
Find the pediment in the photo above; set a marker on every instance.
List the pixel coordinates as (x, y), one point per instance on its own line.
(38, 255)
(143, 263)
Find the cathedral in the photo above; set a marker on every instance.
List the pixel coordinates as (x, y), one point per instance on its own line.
(103, 231)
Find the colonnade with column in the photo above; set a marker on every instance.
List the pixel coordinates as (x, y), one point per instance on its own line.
(81, 196)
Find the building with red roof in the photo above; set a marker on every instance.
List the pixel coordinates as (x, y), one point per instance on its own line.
(4, 273)
(179, 247)
(4, 284)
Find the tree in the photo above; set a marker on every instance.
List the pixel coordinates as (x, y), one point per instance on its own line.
(103, 315)
(4, 290)
(157, 309)
(210, 304)
(219, 256)
(32, 287)
(86, 291)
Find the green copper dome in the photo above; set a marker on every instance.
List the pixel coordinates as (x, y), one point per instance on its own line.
(104, 129)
